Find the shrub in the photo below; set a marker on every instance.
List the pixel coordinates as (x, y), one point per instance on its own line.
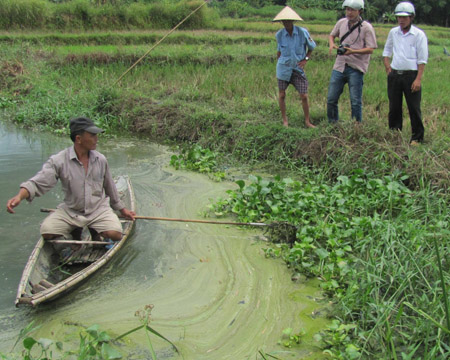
(23, 13)
(83, 14)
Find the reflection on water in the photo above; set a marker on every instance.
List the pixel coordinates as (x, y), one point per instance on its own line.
(215, 295)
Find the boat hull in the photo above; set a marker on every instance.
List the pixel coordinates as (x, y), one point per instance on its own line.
(51, 273)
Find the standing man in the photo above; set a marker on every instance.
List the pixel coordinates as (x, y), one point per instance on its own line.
(294, 47)
(357, 42)
(408, 45)
(88, 186)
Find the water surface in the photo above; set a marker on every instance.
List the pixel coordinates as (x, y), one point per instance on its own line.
(214, 294)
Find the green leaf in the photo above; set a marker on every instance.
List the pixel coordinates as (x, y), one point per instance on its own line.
(93, 330)
(103, 337)
(352, 351)
(322, 253)
(129, 332)
(109, 353)
(153, 331)
(241, 184)
(28, 343)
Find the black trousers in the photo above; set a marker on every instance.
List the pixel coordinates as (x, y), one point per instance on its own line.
(399, 84)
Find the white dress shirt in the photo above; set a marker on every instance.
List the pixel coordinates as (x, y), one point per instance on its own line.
(408, 50)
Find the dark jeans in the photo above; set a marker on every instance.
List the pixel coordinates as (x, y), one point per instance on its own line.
(399, 84)
(355, 80)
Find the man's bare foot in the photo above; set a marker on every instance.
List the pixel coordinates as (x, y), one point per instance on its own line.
(309, 125)
(285, 124)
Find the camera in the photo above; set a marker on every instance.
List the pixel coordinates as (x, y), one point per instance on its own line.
(341, 49)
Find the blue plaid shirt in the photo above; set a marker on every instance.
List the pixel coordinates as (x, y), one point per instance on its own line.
(293, 49)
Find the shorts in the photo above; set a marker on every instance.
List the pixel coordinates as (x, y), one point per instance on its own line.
(60, 222)
(299, 81)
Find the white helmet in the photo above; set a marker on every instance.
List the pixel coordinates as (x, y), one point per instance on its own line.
(354, 4)
(404, 9)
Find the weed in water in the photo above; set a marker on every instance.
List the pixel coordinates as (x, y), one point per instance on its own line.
(94, 344)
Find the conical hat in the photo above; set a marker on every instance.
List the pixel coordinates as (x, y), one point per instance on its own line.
(287, 14)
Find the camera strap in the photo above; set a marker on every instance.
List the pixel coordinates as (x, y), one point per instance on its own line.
(357, 25)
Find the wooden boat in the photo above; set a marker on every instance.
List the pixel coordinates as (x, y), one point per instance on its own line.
(53, 268)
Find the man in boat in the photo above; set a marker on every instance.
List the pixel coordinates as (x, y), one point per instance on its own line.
(90, 192)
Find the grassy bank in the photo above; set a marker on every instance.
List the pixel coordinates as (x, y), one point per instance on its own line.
(218, 88)
(369, 233)
(85, 15)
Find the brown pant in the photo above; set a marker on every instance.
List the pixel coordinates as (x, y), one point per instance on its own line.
(60, 222)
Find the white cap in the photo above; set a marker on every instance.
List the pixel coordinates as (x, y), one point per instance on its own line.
(353, 4)
(404, 9)
(287, 14)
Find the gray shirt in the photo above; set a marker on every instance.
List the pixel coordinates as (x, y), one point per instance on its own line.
(87, 194)
(358, 39)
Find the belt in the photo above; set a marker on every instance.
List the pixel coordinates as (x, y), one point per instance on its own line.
(404, 72)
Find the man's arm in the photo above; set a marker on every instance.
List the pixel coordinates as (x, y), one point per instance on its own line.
(114, 198)
(128, 214)
(387, 64)
(331, 43)
(387, 52)
(15, 201)
(38, 185)
(416, 85)
(303, 62)
(422, 58)
(359, 51)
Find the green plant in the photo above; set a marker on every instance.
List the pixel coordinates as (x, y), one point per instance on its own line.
(291, 338)
(94, 344)
(364, 237)
(337, 336)
(144, 317)
(197, 158)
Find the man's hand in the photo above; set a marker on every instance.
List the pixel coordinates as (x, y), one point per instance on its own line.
(349, 51)
(12, 203)
(387, 65)
(331, 48)
(416, 85)
(302, 63)
(331, 44)
(127, 214)
(15, 201)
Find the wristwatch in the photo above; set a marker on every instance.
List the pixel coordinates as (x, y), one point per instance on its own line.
(306, 58)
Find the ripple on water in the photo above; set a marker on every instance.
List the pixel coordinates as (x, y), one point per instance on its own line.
(215, 295)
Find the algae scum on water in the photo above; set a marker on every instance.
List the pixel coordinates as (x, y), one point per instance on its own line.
(215, 295)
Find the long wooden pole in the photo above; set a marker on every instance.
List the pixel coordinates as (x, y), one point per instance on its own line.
(200, 221)
(140, 217)
(159, 42)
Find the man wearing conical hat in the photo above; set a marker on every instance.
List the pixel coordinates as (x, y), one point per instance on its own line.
(294, 47)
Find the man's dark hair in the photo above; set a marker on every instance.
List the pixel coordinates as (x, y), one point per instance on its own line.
(74, 134)
(81, 124)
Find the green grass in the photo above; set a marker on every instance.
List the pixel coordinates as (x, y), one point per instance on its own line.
(217, 88)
